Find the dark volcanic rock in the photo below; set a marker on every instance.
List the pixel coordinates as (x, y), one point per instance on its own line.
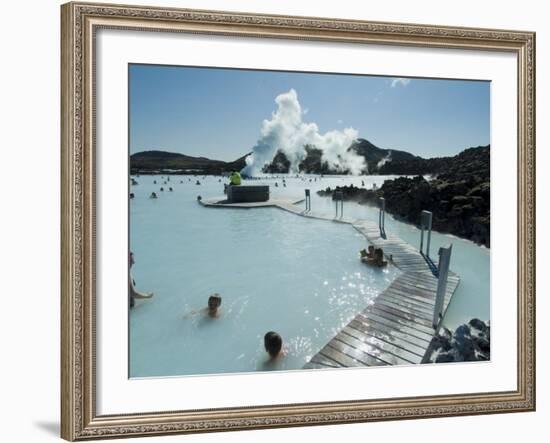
(471, 342)
(458, 196)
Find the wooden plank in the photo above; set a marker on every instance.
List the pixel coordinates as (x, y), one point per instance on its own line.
(370, 349)
(321, 361)
(394, 294)
(397, 303)
(368, 353)
(397, 325)
(339, 357)
(417, 295)
(362, 358)
(403, 317)
(380, 343)
(405, 341)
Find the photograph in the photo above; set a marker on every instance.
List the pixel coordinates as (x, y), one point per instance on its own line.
(304, 221)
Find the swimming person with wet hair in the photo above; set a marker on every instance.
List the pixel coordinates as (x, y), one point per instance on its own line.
(212, 310)
(214, 302)
(153, 195)
(273, 344)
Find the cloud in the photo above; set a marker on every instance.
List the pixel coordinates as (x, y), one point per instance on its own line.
(400, 81)
(288, 133)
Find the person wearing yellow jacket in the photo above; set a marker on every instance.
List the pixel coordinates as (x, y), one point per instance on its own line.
(235, 178)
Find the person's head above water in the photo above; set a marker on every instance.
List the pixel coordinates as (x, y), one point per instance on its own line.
(273, 343)
(214, 302)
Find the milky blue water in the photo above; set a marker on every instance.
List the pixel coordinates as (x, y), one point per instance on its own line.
(274, 270)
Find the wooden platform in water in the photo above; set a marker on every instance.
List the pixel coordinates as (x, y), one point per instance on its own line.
(396, 327)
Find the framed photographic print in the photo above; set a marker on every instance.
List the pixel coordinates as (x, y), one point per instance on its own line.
(283, 221)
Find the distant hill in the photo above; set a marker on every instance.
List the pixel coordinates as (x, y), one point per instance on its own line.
(378, 160)
(152, 161)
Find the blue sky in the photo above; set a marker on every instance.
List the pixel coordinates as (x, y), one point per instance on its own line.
(218, 113)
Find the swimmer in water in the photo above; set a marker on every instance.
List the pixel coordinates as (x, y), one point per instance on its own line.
(212, 310)
(273, 344)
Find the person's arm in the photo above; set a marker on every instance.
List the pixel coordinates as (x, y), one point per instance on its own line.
(137, 294)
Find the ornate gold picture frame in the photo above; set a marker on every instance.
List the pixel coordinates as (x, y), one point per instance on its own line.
(80, 22)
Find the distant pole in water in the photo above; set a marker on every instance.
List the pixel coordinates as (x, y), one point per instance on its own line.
(443, 273)
(425, 223)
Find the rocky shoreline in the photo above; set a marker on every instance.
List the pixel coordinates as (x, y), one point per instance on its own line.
(469, 342)
(458, 195)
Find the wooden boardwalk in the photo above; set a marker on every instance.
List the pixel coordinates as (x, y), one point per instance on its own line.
(396, 327)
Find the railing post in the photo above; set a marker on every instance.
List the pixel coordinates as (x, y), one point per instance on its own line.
(429, 235)
(443, 272)
(339, 197)
(425, 224)
(382, 214)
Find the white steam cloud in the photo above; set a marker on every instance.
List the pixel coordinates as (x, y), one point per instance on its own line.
(400, 81)
(288, 133)
(384, 160)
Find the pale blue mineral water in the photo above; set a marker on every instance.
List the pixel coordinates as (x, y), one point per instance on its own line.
(274, 271)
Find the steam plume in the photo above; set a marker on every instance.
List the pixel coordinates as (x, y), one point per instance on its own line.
(286, 132)
(384, 160)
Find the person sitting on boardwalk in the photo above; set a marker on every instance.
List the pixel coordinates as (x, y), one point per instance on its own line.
(273, 344)
(133, 293)
(235, 178)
